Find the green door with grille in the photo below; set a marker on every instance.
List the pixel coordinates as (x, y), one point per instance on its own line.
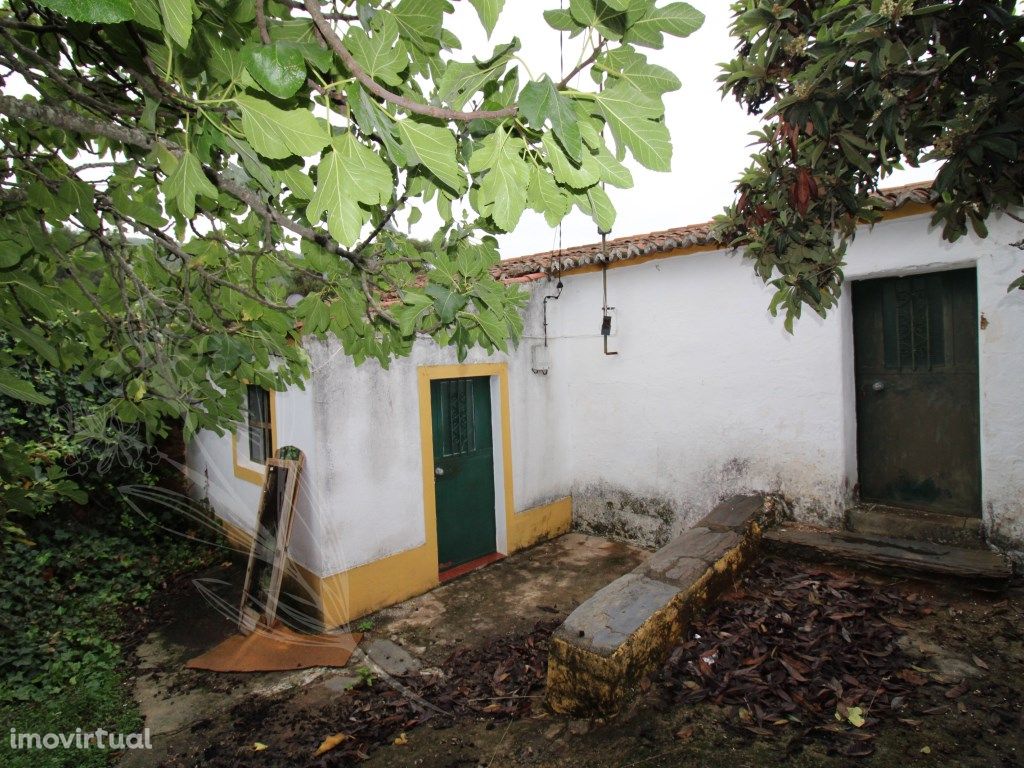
(463, 469)
(916, 352)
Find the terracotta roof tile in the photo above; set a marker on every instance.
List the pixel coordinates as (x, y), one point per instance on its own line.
(525, 268)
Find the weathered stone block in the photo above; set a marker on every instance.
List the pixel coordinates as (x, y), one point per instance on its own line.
(609, 643)
(696, 543)
(605, 621)
(680, 571)
(595, 678)
(737, 513)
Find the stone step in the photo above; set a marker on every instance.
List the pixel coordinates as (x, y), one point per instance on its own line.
(901, 523)
(976, 567)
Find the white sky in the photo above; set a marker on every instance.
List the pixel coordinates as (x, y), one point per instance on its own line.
(709, 135)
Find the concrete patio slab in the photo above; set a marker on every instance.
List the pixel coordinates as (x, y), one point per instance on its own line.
(542, 583)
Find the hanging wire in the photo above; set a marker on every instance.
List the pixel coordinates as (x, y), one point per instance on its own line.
(561, 75)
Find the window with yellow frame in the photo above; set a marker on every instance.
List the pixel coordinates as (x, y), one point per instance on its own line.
(255, 440)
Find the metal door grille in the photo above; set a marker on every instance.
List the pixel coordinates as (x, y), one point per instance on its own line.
(458, 414)
(913, 324)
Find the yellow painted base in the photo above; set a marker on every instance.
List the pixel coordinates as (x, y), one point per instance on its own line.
(539, 524)
(346, 596)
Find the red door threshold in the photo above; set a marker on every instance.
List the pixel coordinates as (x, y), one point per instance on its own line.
(472, 565)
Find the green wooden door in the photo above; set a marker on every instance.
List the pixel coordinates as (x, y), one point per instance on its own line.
(463, 469)
(916, 351)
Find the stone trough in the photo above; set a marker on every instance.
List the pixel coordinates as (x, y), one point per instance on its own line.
(625, 631)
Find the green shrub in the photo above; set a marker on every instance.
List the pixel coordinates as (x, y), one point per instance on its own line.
(77, 560)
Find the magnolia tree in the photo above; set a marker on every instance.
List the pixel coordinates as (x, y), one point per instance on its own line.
(850, 90)
(190, 187)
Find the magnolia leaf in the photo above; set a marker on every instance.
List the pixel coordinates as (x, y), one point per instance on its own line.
(279, 68)
(177, 17)
(186, 182)
(435, 148)
(330, 743)
(488, 11)
(92, 11)
(277, 133)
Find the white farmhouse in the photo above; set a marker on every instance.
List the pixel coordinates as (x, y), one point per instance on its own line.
(910, 393)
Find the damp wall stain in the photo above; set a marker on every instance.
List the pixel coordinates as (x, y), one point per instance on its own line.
(651, 518)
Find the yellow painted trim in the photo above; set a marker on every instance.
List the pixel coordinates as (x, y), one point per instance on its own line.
(346, 596)
(356, 592)
(428, 373)
(907, 209)
(248, 473)
(237, 537)
(359, 591)
(539, 524)
(367, 588)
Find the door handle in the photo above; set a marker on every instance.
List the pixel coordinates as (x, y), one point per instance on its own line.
(878, 386)
(438, 471)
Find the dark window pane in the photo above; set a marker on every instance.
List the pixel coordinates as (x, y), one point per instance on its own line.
(259, 426)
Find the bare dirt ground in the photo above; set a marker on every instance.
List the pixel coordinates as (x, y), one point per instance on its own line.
(801, 665)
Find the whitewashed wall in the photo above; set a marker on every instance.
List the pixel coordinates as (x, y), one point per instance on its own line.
(710, 396)
(362, 489)
(368, 447)
(211, 473)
